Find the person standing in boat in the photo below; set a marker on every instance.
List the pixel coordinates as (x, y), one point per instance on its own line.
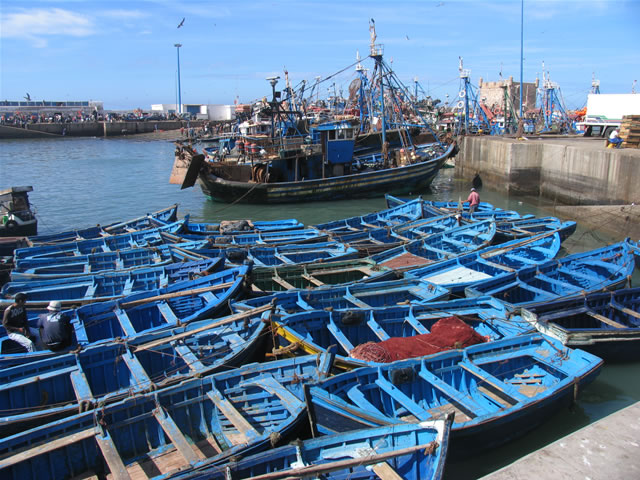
(385, 153)
(474, 200)
(15, 323)
(55, 328)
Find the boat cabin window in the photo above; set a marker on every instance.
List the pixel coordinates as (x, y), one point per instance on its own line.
(342, 134)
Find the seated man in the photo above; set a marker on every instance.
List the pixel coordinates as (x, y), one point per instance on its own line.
(615, 139)
(15, 323)
(55, 328)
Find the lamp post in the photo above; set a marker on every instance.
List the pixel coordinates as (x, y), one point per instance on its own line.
(274, 104)
(178, 45)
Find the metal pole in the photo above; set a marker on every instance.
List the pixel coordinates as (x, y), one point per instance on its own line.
(178, 45)
(521, 50)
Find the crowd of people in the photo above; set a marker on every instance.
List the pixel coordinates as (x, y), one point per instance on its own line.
(21, 119)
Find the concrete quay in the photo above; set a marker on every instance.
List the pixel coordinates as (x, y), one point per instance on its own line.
(568, 170)
(91, 129)
(608, 449)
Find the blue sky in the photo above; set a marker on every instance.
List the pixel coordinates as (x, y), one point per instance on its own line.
(122, 52)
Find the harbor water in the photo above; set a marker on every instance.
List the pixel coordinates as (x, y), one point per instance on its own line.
(79, 182)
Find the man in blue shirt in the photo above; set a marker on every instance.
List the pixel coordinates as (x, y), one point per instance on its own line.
(55, 328)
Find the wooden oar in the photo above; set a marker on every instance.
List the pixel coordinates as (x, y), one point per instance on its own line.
(224, 321)
(188, 252)
(525, 241)
(183, 293)
(317, 470)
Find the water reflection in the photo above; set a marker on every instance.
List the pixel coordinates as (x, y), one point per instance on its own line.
(79, 182)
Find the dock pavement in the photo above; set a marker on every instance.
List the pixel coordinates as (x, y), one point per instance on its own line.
(608, 449)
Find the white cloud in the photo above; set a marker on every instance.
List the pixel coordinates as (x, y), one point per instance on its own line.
(36, 24)
(122, 14)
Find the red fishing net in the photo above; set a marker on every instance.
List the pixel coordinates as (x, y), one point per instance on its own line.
(446, 334)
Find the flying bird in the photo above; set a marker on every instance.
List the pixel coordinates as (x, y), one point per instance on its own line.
(441, 4)
(27, 97)
(407, 37)
(181, 23)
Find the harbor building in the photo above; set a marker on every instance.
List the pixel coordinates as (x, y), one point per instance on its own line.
(49, 108)
(212, 112)
(492, 94)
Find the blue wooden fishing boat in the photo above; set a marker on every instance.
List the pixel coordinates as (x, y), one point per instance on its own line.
(527, 227)
(460, 272)
(266, 280)
(315, 331)
(376, 240)
(393, 201)
(202, 421)
(285, 237)
(413, 451)
(142, 238)
(606, 324)
(575, 275)
(150, 220)
(484, 211)
(235, 227)
(154, 310)
(439, 246)
(498, 391)
(385, 218)
(95, 263)
(56, 386)
(291, 254)
(76, 291)
(427, 226)
(355, 295)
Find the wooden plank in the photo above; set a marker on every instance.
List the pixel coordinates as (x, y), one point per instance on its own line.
(125, 323)
(81, 387)
(312, 280)
(283, 283)
(511, 396)
(402, 399)
(270, 384)
(606, 320)
(625, 310)
(189, 358)
(167, 313)
(139, 374)
(111, 456)
(224, 321)
(338, 335)
(386, 471)
(177, 437)
(230, 412)
(461, 401)
(377, 329)
(20, 455)
(355, 300)
(184, 293)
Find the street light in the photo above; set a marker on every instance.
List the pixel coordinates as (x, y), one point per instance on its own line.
(178, 45)
(274, 104)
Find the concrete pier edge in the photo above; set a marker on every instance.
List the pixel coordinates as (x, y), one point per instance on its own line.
(564, 170)
(608, 449)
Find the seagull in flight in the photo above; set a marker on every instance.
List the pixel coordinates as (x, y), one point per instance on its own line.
(27, 97)
(181, 23)
(407, 37)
